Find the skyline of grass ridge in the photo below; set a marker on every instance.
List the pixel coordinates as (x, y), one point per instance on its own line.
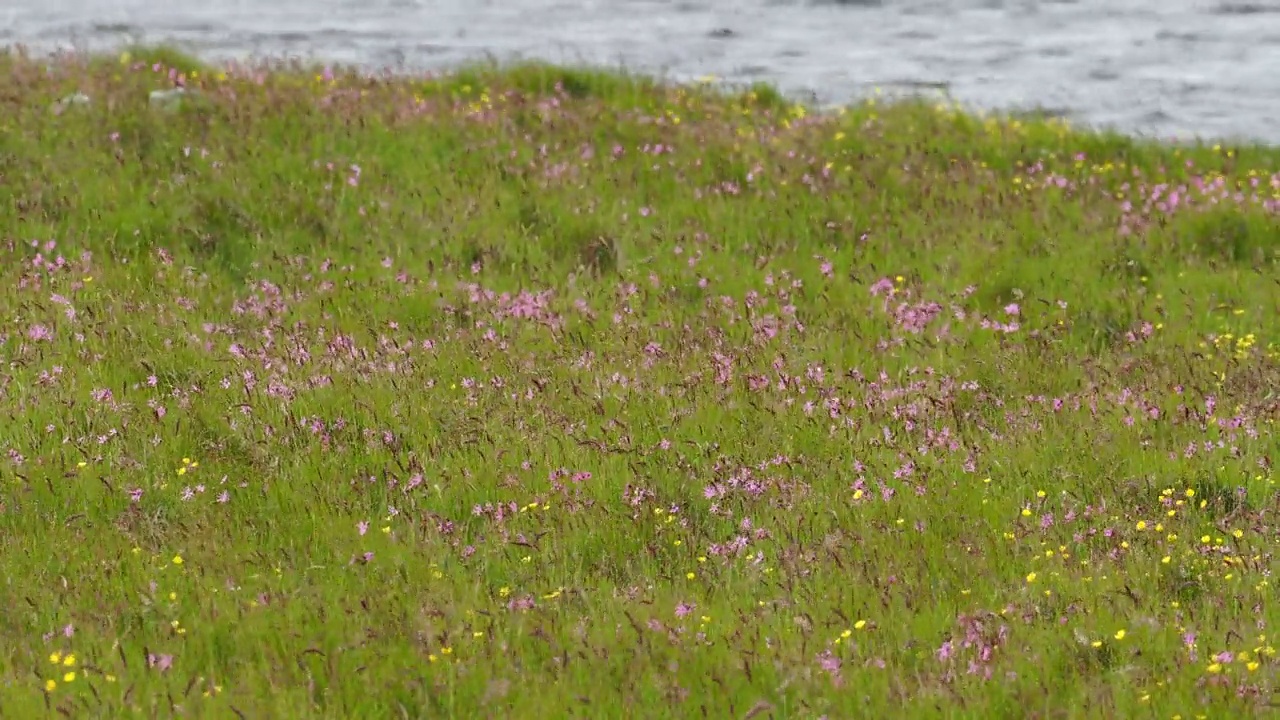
(537, 391)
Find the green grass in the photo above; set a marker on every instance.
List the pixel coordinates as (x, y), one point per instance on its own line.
(548, 392)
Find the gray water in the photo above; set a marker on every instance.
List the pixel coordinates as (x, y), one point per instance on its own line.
(1168, 68)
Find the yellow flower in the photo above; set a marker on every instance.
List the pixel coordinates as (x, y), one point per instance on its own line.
(446, 651)
(1120, 634)
(860, 624)
(690, 575)
(55, 657)
(1031, 577)
(1252, 666)
(177, 559)
(1096, 643)
(1215, 668)
(69, 677)
(69, 660)
(1142, 525)
(846, 633)
(50, 685)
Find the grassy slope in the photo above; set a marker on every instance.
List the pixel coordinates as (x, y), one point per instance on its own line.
(917, 412)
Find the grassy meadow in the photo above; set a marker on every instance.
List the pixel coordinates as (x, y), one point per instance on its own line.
(539, 392)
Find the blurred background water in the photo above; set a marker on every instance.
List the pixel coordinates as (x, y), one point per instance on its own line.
(1168, 68)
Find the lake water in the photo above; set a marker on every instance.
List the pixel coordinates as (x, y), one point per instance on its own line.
(1170, 68)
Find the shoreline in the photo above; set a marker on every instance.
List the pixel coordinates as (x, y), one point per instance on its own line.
(939, 96)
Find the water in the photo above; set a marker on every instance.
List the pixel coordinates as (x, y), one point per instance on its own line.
(1169, 68)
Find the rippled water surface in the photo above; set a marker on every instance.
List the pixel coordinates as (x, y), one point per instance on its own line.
(1165, 67)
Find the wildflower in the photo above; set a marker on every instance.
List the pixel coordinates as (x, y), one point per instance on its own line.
(69, 677)
(50, 685)
(177, 559)
(1031, 577)
(1120, 634)
(945, 652)
(860, 624)
(160, 662)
